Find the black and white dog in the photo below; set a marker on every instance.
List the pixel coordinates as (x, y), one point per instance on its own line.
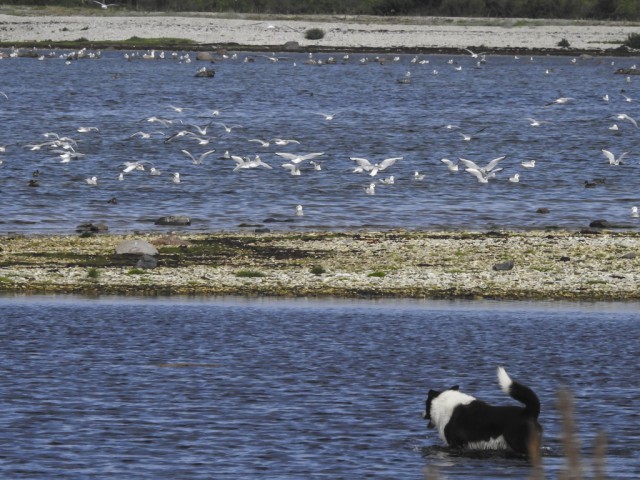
(465, 422)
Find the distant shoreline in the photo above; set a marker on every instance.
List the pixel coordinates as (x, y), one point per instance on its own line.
(356, 33)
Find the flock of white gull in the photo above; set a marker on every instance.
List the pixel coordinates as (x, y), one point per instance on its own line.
(170, 129)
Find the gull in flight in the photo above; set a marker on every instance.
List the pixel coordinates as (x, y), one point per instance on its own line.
(327, 116)
(452, 167)
(284, 141)
(201, 157)
(560, 101)
(294, 158)
(246, 162)
(263, 143)
(68, 156)
(228, 128)
(448, 127)
(87, 129)
(483, 174)
(624, 116)
(201, 130)
(365, 165)
(489, 167)
(468, 138)
(164, 122)
(179, 109)
(104, 6)
(612, 158)
(473, 54)
(146, 135)
(536, 123)
(130, 166)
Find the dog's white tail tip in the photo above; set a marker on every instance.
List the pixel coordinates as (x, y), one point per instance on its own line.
(504, 380)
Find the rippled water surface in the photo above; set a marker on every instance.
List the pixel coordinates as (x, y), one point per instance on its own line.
(236, 388)
(376, 117)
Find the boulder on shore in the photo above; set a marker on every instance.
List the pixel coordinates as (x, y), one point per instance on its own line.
(138, 247)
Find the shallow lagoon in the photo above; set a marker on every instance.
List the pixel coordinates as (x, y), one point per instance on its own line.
(210, 388)
(376, 117)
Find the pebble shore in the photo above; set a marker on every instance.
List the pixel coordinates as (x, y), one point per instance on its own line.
(341, 32)
(558, 265)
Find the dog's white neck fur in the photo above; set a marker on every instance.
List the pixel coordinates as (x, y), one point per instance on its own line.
(442, 407)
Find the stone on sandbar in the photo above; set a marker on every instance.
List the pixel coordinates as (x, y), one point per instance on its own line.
(138, 247)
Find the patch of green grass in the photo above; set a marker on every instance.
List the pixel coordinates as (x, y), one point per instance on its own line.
(133, 42)
(564, 43)
(6, 280)
(93, 273)
(249, 274)
(378, 274)
(633, 40)
(317, 270)
(136, 271)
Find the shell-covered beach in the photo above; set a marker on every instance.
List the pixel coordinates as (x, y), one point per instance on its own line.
(341, 32)
(545, 265)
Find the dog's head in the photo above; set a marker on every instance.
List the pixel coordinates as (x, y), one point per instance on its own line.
(430, 397)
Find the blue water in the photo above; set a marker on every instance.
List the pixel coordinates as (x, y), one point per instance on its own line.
(239, 388)
(376, 117)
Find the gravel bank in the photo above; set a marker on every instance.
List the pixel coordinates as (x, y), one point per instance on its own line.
(349, 32)
(549, 265)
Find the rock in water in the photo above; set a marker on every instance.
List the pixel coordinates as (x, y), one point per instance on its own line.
(204, 56)
(205, 73)
(175, 220)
